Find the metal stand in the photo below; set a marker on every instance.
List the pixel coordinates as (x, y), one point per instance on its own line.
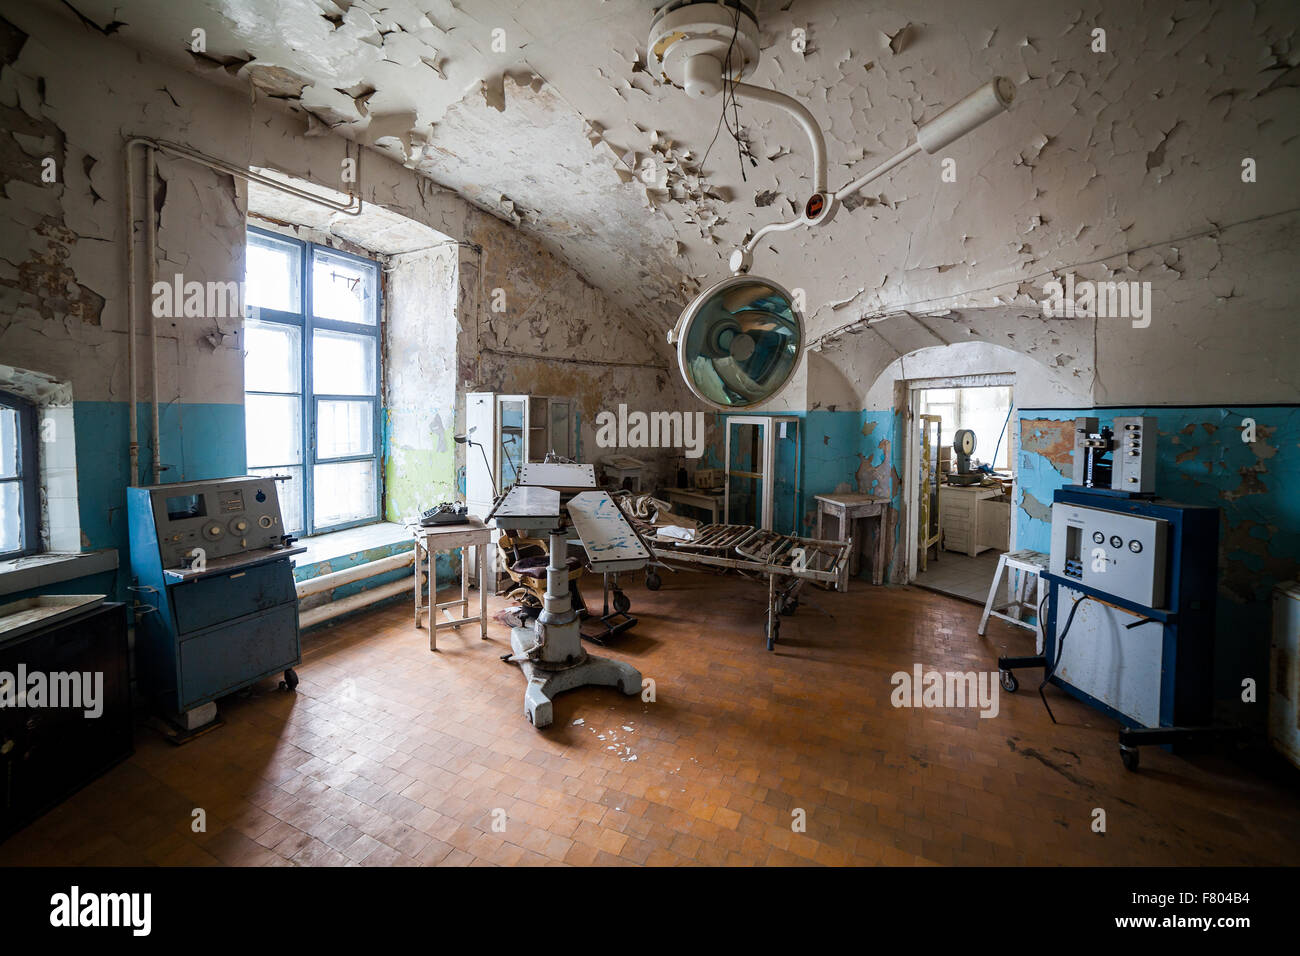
(618, 620)
(551, 654)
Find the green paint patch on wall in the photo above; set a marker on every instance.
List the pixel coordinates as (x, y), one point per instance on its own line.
(416, 479)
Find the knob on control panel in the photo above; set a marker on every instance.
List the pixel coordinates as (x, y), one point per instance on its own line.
(213, 531)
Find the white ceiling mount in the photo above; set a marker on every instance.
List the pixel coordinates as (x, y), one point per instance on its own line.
(694, 42)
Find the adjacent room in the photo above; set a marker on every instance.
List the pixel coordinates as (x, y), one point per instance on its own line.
(628, 433)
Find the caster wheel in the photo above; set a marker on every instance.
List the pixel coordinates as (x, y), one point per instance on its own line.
(1009, 682)
(1129, 757)
(653, 581)
(790, 606)
(621, 602)
(290, 681)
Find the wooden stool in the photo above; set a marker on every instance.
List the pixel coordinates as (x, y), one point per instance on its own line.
(1027, 563)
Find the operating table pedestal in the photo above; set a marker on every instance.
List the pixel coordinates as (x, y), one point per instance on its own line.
(551, 654)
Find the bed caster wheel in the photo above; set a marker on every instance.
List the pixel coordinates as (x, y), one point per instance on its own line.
(290, 681)
(621, 602)
(1129, 757)
(790, 606)
(653, 581)
(1009, 682)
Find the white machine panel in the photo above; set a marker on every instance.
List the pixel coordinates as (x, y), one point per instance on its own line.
(558, 475)
(1133, 460)
(1111, 551)
(1103, 658)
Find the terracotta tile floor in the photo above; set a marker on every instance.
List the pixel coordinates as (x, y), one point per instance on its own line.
(388, 755)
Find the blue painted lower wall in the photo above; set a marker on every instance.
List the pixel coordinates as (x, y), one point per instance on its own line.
(847, 451)
(198, 441)
(1202, 459)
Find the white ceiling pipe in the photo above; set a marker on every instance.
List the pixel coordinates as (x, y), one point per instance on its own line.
(801, 115)
(959, 119)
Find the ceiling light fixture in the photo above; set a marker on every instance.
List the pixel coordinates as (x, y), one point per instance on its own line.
(739, 342)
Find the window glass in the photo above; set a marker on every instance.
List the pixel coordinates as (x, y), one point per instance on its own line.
(344, 492)
(342, 289)
(344, 429)
(272, 357)
(8, 444)
(343, 364)
(273, 274)
(274, 429)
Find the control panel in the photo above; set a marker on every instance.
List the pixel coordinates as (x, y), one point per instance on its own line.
(1133, 461)
(224, 518)
(1111, 551)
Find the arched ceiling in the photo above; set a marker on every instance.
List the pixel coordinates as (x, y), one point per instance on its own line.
(1104, 160)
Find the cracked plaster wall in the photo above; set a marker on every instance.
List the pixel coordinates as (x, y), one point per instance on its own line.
(62, 260)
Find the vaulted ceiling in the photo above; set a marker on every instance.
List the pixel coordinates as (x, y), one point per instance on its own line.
(541, 112)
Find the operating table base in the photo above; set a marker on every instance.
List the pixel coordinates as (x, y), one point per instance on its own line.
(544, 683)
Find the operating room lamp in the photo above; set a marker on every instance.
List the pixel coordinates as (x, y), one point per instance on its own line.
(739, 342)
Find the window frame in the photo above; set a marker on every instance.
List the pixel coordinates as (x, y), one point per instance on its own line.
(28, 478)
(308, 323)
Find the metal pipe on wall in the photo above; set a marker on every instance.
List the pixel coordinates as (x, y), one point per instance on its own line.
(151, 269)
(133, 446)
(353, 207)
(354, 602)
(328, 582)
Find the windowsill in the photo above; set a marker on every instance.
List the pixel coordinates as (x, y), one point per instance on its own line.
(41, 570)
(340, 544)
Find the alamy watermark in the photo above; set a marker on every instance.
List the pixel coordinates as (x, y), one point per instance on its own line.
(74, 690)
(1103, 300)
(651, 430)
(922, 688)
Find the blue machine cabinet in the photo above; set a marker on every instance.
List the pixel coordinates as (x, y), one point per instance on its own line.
(213, 571)
(1147, 664)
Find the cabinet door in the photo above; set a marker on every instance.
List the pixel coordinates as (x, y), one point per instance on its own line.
(512, 438)
(562, 437)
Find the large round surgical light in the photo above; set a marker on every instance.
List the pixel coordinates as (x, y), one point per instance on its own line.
(739, 342)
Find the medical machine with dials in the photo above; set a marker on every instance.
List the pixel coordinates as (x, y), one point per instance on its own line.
(216, 606)
(1129, 621)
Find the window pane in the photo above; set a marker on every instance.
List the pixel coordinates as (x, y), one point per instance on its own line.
(272, 273)
(344, 429)
(290, 494)
(342, 289)
(343, 364)
(272, 357)
(11, 521)
(8, 443)
(273, 424)
(344, 492)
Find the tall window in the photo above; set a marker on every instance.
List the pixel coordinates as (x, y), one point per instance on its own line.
(20, 527)
(311, 380)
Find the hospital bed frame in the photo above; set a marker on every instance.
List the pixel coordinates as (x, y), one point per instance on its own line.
(753, 551)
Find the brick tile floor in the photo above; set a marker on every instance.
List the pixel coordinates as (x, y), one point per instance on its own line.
(390, 755)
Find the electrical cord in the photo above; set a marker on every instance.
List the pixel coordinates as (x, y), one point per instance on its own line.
(1060, 648)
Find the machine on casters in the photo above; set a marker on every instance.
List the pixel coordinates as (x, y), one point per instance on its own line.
(1130, 619)
(217, 609)
(560, 500)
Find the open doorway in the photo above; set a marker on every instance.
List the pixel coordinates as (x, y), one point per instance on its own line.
(963, 482)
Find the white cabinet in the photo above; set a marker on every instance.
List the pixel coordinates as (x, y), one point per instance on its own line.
(966, 519)
(513, 429)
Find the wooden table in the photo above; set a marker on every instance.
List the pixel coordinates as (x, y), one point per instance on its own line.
(429, 542)
(697, 499)
(846, 509)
